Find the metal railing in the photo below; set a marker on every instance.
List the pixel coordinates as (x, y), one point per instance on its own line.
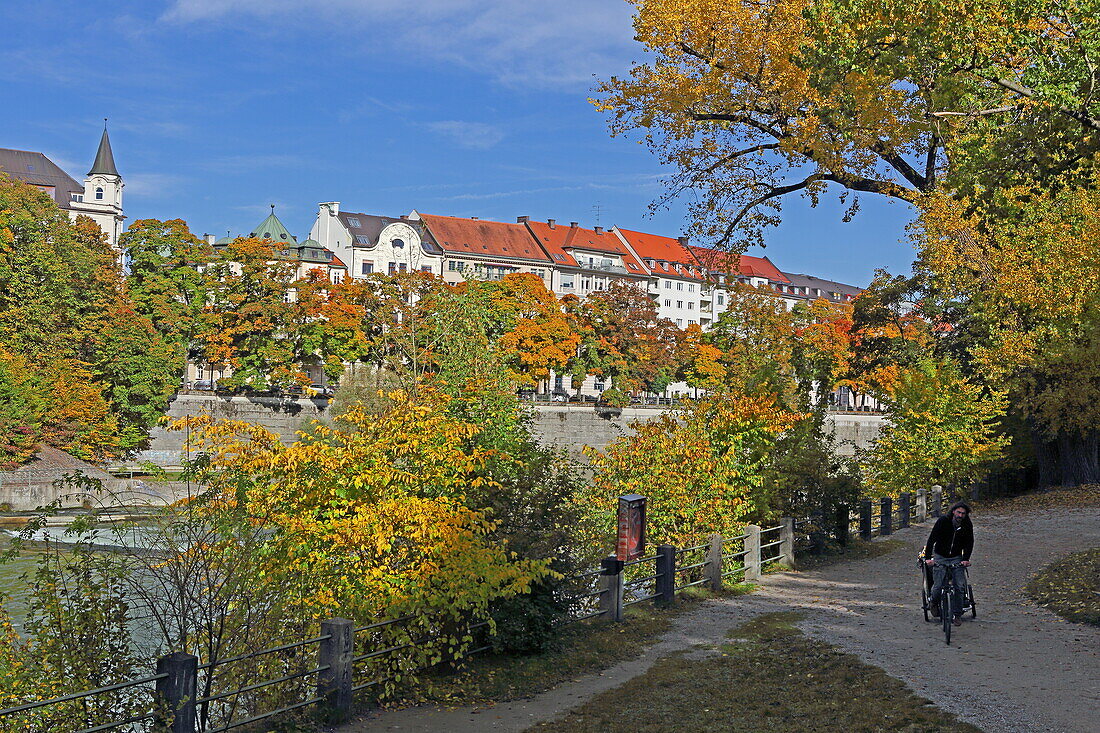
(388, 648)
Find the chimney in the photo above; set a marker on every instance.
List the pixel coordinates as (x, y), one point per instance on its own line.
(572, 225)
(598, 230)
(473, 217)
(522, 219)
(332, 206)
(210, 238)
(550, 223)
(683, 241)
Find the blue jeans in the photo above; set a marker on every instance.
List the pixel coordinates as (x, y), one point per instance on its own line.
(940, 570)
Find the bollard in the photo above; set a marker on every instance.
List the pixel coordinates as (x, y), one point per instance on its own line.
(176, 692)
(666, 574)
(865, 519)
(611, 588)
(334, 657)
(843, 524)
(922, 506)
(904, 502)
(886, 515)
(786, 549)
(937, 501)
(713, 567)
(752, 552)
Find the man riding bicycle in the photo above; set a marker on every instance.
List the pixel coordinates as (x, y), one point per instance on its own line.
(948, 552)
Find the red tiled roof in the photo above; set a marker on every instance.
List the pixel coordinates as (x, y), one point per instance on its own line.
(664, 253)
(337, 262)
(747, 265)
(558, 240)
(480, 237)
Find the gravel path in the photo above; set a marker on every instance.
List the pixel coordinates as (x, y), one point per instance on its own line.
(1016, 668)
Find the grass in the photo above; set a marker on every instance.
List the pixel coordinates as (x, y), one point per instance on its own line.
(582, 648)
(769, 676)
(1070, 587)
(855, 550)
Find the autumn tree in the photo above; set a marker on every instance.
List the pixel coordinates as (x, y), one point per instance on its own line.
(752, 103)
(943, 429)
(701, 468)
(102, 371)
(245, 317)
(622, 338)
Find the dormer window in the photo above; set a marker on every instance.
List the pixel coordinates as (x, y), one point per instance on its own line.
(354, 223)
(99, 193)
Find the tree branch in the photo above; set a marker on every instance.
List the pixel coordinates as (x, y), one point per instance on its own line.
(1091, 123)
(739, 118)
(900, 164)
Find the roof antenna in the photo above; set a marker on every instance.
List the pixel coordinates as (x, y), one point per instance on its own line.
(272, 208)
(597, 209)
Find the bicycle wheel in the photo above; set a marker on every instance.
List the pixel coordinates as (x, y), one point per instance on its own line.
(973, 605)
(945, 612)
(924, 604)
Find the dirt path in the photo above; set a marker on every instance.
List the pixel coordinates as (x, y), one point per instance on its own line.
(1015, 668)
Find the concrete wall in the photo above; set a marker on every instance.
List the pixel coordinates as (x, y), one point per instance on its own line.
(567, 426)
(283, 416)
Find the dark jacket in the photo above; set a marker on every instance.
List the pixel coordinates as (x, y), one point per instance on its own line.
(947, 540)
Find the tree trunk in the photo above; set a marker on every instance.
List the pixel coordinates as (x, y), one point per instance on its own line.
(1046, 457)
(1077, 458)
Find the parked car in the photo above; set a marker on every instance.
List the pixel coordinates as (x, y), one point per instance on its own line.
(293, 390)
(205, 385)
(321, 390)
(559, 395)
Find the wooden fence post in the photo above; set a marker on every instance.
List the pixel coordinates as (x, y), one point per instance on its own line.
(922, 506)
(904, 503)
(666, 574)
(713, 567)
(611, 587)
(843, 524)
(752, 552)
(334, 681)
(886, 515)
(865, 519)
(786, 534)
(937, 501)
(176, 692)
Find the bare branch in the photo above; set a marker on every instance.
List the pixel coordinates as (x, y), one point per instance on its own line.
(738, 118)
(978, 113)
(1091, 123)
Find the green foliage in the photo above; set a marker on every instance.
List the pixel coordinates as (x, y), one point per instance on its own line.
(700, 468)
(96, 373)
(942, 430)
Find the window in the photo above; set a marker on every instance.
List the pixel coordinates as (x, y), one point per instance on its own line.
(77, 196)
(426, 268)
(691, 287)
(354, 223)
(567, 282)
(362, 239)
(559, 382)
(668, 303)
(691, 305)
(668, 285)
(721, 299)
(398, 243)
(99, 193)
(393, 268)
(680, 322)
(456, 266)
(691, 321)
(403, 267)
(679, 286)
(541, 273)
(679, 304)
(586, 284)
(600, 386)
(337, 277)
(368, 268)
(605, 263)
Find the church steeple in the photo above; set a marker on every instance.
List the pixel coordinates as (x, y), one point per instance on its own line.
(104, 159)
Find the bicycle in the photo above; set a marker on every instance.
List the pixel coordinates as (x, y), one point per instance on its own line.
(947, 597)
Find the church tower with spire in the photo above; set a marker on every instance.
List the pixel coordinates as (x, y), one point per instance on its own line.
(102, 198)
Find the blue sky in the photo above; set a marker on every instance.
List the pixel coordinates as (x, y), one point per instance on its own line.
(458, 107)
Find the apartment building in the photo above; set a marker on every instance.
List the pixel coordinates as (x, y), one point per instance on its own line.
(679, 284)
(584, 260)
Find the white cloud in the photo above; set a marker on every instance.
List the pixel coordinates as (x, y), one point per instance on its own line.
(517, 42)
(150, 185)
(477, 135)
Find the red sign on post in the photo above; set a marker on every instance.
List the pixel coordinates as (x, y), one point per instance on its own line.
(631, 544)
